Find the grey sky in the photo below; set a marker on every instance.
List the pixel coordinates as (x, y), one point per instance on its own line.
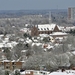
(35, 4)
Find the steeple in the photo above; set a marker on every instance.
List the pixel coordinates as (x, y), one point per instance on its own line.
(50, 17)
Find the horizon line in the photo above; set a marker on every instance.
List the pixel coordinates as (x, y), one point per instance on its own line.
(29, 9)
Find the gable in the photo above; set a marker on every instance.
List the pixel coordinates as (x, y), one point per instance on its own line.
(57, 29)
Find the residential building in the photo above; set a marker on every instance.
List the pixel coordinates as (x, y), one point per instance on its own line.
(58, 34)
(11, 65)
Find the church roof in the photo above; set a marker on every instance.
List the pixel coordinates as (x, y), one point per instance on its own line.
(47, 27)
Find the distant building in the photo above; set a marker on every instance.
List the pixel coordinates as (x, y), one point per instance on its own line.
(71, 14)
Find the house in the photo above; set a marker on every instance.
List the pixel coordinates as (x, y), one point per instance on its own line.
(47, 47)
(11, 65)
(1, 63)
(59, 37)
(44, 29)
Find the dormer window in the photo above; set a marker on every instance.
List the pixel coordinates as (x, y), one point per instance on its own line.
(47, 28)
(38, 29)
(44, 28)
(41, 29)
(52, 28)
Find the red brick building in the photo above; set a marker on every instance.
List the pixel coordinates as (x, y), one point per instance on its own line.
(44, 29)
(34, 31)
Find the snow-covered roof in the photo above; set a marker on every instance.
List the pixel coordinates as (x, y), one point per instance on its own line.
(47, 27)
(20, 39)
(14, 43)
(1, 45)
(1, 36)
(24, 30)
(60, 38)
(23, 50)
(28, 40)
(6, 39)
(35, 40)
(13, 60)
(73, 52)
(58, 33)
(43, 35)
(49, 47)
(37, 44)
(6, 61)
(8, 35)
(22, 73)
(8, 45)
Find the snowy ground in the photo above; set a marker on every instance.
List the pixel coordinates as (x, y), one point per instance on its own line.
(66, 72)
(59, 72)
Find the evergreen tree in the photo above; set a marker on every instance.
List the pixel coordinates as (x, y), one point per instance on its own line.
(17, 72)
(6, 73)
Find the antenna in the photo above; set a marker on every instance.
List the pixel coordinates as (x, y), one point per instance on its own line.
(49, 17)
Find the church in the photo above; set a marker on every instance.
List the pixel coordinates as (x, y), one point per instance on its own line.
(45, 29)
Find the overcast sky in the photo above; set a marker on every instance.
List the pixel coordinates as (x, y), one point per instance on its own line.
(35, 4)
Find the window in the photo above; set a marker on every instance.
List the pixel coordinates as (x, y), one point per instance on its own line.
(41, 29)
(7, 67)
(47, 28)
(13, 67)
(44, 28)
